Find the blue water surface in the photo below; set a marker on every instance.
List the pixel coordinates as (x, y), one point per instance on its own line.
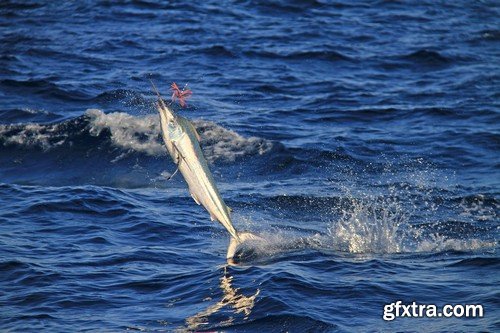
(360, 139)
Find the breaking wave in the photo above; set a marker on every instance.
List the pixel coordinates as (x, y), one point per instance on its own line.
(129, 134)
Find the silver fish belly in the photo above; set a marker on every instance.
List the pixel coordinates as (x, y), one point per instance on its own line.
(192, 164)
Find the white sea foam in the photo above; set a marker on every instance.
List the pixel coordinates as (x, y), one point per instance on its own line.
(138, 134)
(134, 134)
(219, 142)
(142, 134)
(33, 135)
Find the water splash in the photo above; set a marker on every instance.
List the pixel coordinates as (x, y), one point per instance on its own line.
(407, 211)
(370, 227)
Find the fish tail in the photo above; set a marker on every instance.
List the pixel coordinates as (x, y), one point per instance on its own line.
(237, 241)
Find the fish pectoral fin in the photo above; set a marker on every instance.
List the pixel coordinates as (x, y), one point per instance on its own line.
(195, 198)
(176, 170)
(212, 218)
(172, 175)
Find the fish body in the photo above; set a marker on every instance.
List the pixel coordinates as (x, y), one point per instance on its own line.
(183, 144)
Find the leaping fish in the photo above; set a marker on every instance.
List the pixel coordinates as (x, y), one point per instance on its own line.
(183, 144)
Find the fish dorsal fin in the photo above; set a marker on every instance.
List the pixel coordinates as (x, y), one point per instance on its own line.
(195, 131)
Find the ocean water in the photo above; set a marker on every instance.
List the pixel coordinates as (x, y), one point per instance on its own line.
(359, 139)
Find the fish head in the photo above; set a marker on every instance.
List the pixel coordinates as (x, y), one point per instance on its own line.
(169, 121)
